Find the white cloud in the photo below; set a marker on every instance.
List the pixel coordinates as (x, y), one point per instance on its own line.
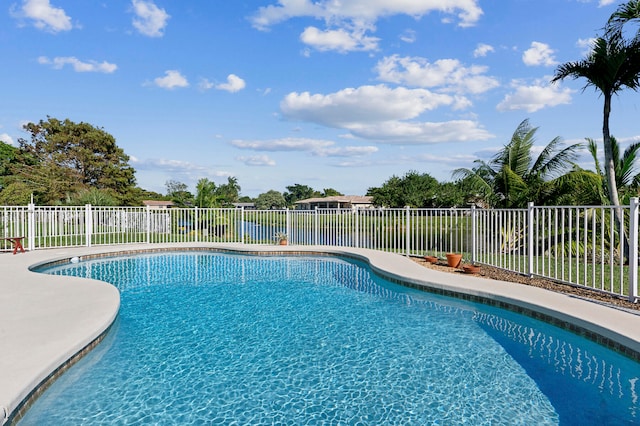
(382, 114)
(340, 40)
(365, 104)
(317, 147)
(172, 79)
(205, 84)
(364, 11)
(534, 97)
(233, 84)
(346, 151)
(408, 36)
(78, 65)
(454, 159)
(45, 16)
(150, 20)
(602, 3)
(4, 137)
(257, 160)
(414, 133)
(178, 169)
(482, 50)
(447, 74)
(539, 54)
(285, 144)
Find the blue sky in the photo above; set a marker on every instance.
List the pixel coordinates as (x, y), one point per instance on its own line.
(326, 93)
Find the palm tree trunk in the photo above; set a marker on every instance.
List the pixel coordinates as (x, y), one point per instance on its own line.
(610, 174)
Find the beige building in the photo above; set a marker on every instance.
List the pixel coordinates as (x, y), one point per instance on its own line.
(158, 204)
(336, 202)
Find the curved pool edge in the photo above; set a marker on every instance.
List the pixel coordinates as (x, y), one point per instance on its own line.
(45, 330)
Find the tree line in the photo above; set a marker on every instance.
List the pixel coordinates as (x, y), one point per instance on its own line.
(67, 163)
(63, 162)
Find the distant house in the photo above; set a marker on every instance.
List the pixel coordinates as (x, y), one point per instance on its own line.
(246, 206)
(158, 204)
(336, 202)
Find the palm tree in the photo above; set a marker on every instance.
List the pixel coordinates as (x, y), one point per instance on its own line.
(206, 193)
(627, 177)
(612, 65)
(513, 177)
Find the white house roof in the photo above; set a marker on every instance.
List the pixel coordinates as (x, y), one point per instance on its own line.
(346, 199)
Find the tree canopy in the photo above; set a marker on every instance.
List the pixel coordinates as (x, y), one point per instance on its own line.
(299, 192)
(63, 158)
(411, 190)
(271, 199)
(514, 177)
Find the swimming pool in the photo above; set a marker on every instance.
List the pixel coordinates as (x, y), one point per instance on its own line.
(210, 337)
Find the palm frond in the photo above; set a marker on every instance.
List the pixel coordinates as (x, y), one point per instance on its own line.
(592, 147)
(625, 170)
(558, 162)
(625, 13)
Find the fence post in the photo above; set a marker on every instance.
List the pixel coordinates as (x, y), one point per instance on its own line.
(357, 226)
(316, 227)
(196, 225)
(242, 225)
(407, 230)
(287, 230)
(88, 225)
(31, 231)
(529, 229)
(474, 231)
(633, 249)
(147, 223)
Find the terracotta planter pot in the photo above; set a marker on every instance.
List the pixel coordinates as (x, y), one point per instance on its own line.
(431, 259)
(471, 269)
(454, 259)
(283, 242)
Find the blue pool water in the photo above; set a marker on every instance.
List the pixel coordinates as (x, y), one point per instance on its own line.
(211, 338)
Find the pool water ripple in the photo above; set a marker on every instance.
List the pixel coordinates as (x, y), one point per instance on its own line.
(206, 338)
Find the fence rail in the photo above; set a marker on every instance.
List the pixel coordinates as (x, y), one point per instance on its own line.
(590, 246)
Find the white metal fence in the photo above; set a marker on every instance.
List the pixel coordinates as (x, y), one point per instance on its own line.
(578, 245)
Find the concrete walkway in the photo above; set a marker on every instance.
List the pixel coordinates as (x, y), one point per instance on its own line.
(45, 320)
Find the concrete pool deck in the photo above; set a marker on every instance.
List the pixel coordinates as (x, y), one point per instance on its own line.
(46, 320)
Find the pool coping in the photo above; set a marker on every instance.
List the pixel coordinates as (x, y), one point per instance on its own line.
(44, 328)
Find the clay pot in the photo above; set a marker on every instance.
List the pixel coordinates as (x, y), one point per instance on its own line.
(283, 242)
(431, 259)
(471, 269)
(454, 259)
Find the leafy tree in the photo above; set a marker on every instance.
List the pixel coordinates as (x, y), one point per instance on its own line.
(513, 177)
(15, 194)
(299, 192)
(413, 190)
(330, 192)
(63, 157)
(270, 200)
(450, 194)
(178, 193)
(8, 155)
